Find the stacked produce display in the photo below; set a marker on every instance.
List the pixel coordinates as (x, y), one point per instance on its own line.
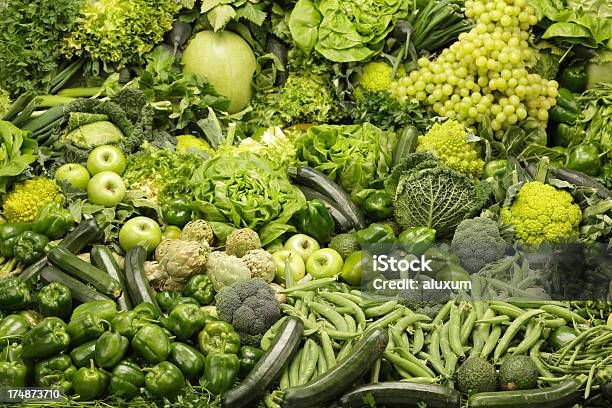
(305, 203)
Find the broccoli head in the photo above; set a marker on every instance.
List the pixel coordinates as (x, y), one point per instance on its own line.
(477, 242)
(250, 306)
(424, 300)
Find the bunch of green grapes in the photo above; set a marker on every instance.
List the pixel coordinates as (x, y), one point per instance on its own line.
(484, 74)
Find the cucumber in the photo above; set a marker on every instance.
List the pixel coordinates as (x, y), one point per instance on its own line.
(269, 368)
(343, 222)
(401, 394)
(85, 272)
(561, 395)
(309, 177)
(80, 291)
(137, 285)
(339, 379)
(103, 258)
(406, 144)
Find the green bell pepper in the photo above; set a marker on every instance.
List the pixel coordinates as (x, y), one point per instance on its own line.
(12, 374)
(567, 100)
(52, 220)
(200, 288)
(89, 382)
(7, 246)
(314, 220)
(55, 372)
(375, 234)
(148, 310)
(574, 77)
(55, 299)
(417, 240)
(165, 380)
(249, 356)
(561, 336)
(177, 212)
(8, 236)
(220, 338)
(110, 349)
(562, 115)
(167, 299)
(151, 343)
(559, 161)
(83, 354)
(126, 381)
(85, 328)
(104, 309)
(14, 294)
(184, 321)
(30, 247)
(171, 232)
(585, 158)
(127, 323)
(12, 353)
(46, 339)
(32, 316)
(566, 134)
(220, 372)
(378, 206)
(12, 329)
(496, 168)
(188, 359)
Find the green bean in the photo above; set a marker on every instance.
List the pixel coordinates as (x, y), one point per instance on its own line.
(340, 335)
(391, 342)
(450, 358)
(284, 380)
(294, 368)
(436, 364)
(340, 300)
(554, 380)
(375, 373)
(413, 369)
(328, 349)
(567, 314)
(491, 341)
(402, 373)
(418, 340)
(387, 320)
(330, 314)
(297, 305)
(410, 357)
(290, 310)
(442, 313)
(531, 337)
(589, 383)
(534, 354)
(579, 339)
(345, 350)
(512, 330)
(298, 294)
(554, 323)
(494, 319)
(454, 331)
(308, 362)
(313, 284)
(344, 310)
(506, 308)
(321, 363)
(468, 325)
(380, 310)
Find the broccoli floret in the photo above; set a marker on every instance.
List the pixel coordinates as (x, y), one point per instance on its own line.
(250, 306)
(477, 242)
(427, 301)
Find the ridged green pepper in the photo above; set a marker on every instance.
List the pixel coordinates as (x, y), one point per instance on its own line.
(126, 381)
(83, 354)
(110, 349)
(12, 374)
(52, 220)
(496, 168)
(14, 294)
(46, 339)
(104, 309)
(249, 356)
(12, 353)
(585, 158)
(184, 321)
(12, 329)
(147, 310)
(574, 77)
(167, 299)
(89, 382)
(32, 316)
(220, 372)
(417, 240)
(177, 212)
(188, 359)
(378, 206)
(165, 380)
(55, 372)
(151, 343)
(85, 327)
(55, 299)
(127, 323)
(8, 236)
(200, 288)
(376, 234)
(30, 247)
(314, 220)
(219, 337)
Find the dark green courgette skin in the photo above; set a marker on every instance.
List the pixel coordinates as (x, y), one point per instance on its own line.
(401, 394)
(137, 284)
(341, 377)
(79, 290)
(561, 395)
(268, 368)
(342, 221)
(101, 257)
(84, 271)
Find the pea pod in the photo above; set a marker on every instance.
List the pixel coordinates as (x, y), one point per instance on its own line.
(512, 330)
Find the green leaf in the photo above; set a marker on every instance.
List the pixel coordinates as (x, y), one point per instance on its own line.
(220, 15)
(304, 24)
(251, 13)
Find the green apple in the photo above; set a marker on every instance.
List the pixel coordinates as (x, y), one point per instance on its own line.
(141, 231)
(296, 263)
(324, 263)
(106, 188)
(303, 245)
(106, 158)
(74, 174)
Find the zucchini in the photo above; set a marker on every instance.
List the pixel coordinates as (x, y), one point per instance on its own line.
(85, 272)
(401, 394)
(561, 395)
(580, 179)
(269, 368)
(339, 378)
(102, 257)
(406, 144)
(343, 222)
(80, 291)
(136, 283)
(318, 181)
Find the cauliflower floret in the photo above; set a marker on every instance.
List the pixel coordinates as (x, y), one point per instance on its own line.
(224, 269)
(240, 241)
(542, 213)
(376, 76)
(447, 141)
(261, 264)
(23, 202)
(477, 242)
(198, 230)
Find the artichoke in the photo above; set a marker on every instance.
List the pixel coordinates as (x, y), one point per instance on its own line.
(198, 230)
(224, 269)
(240, 241)
(182, 259)
(261, 264)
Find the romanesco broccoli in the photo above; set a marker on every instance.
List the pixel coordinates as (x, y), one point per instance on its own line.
(23, 202)
(376, 76)
(542, 213)
(447, 141)
(477, 242)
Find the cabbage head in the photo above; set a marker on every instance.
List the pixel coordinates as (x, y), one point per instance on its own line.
(246, 191)
(94, 134)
